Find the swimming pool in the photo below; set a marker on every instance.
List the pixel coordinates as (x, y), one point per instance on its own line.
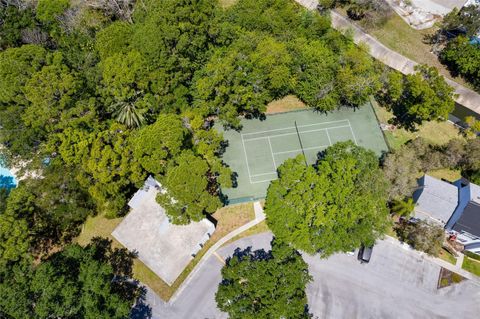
(7, 180)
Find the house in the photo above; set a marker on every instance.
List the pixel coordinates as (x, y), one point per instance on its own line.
(465, 221)
(454, 206)
(163, 247)
(435, 200)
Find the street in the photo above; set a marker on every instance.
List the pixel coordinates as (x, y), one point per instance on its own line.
(397, 283)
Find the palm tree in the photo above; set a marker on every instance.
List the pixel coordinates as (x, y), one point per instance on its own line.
(403, 207)
(129, 114)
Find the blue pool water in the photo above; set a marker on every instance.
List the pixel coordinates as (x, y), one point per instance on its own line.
(7, 180)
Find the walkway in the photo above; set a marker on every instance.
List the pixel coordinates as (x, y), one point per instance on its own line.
(466, 97)
(259, 217)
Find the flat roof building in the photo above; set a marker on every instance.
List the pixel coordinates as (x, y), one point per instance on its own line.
(163, 247)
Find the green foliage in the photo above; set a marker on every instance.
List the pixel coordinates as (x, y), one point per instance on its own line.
(175, 38)
(403, 207)
(112, 97)
(17, 65)
(4, 192)
(14, 21)
(124, 75)
(425, 97)
(403, 166)
(108, 169)
(317, 66)
(466, 20)
(281, 18)
(463, 58)
(231, 83)
(156, 144)
(189, 194)
(395, 87)
(358, 78)
(14, 236)
(264, 285)
(336, 206)
(473, 126)
(114, 39)
(49, 10)
(424, 236)
(129, 113)
(90, 282)
(49, 91)
(44, 212)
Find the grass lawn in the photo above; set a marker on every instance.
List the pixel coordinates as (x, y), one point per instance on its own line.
(228, 218)
(471, 265)
(433, 132)
(288, 103)
(397, 35)
(98, 226)
(391, 232)
(445, 255)
(450, 175)
(226, 3)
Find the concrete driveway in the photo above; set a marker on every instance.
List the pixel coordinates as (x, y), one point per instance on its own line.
(397, 283)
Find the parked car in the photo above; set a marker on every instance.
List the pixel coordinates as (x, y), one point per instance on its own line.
(365, 253)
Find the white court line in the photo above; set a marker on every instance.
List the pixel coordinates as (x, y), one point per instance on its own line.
(329, 140)
(299, 150)
(246, 160)
(263, 174)
(265, 180)
(292, 151)
(271, 152)
(294, 133)
(351, 130)
(286, 128)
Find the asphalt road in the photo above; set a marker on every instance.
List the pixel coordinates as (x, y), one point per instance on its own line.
(397, 283)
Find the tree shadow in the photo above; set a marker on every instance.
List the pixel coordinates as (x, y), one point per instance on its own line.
(254, 255)
(141, 310)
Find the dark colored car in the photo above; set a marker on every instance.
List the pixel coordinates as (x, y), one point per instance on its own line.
(365, 253)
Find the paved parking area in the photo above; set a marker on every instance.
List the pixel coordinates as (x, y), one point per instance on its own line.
(397, 283)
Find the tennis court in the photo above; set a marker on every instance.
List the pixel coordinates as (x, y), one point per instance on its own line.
(256, 152)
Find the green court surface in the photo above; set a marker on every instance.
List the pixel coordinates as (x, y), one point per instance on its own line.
(255, 152)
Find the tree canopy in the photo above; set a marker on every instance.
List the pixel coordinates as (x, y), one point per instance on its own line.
(418, 97)
(97, 95)
(334, 206)
(116, 94)
(80, 282)
(259, 284)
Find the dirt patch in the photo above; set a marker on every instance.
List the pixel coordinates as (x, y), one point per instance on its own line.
(448, 278)
(286, 104)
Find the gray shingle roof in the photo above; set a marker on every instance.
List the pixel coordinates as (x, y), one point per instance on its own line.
(437, 199)
(470, 219)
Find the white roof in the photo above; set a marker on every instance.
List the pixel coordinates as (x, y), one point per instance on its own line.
(438, 199)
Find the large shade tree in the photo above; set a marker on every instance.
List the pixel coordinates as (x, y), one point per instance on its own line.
(259, 284)
(78, 282)
(41, 214)
(421, 96)
(336, 205)
(188, 192)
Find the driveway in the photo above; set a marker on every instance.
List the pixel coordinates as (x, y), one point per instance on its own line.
(397, 283)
